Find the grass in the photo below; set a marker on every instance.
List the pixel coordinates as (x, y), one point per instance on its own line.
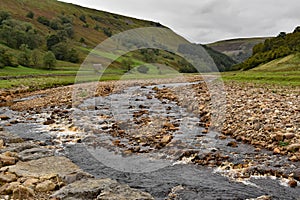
(283, 71)
(278, 78)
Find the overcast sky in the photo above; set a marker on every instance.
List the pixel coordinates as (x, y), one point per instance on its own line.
(205, 21)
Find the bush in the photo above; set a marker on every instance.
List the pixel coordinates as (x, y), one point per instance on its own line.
(30, 15)
(107, 32)
(82, 18)
(43, 20)
(4, 16)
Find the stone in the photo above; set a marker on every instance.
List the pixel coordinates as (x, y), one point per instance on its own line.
(205, 131)
(276, 151)
(296, 174)
(2, 145)
(99, 189)
(289, 135)
(31, 182)
(10, 138)
(49, 122)
(34, 154)
(7, 177)
(7, 160)
(279, 137)
(1, 128)
(293, 159)
(45, 166)
(22, 192)
(232, 144)
(293, 183)
(293, 147)
(4, 117)
(18, 147)
(8, 188)
(45, 186)
(166, 138)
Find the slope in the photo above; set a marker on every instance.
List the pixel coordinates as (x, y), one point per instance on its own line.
(238, 49)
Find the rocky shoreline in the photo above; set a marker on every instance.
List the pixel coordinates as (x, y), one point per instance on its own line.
(266, 118)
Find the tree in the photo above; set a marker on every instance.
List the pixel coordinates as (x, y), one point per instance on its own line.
(297, 29)
(5, 58)
(36, 57)
(72, 56)
(127, 64)
(52, 40)
(24, 58)
(49, 60)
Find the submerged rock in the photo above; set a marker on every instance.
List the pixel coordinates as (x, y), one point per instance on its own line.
(99, 189)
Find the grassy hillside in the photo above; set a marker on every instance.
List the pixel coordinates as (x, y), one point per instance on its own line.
(281, 71)
(238, 49)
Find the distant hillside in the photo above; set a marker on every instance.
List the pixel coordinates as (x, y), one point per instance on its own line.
(34, 32)
(271, 49)
(238, 49)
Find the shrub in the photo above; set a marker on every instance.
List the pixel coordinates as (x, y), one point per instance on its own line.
(107, 32)
(82, 18)
(30, 15)
(43, 20)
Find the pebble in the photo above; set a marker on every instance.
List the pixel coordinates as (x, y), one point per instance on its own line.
(7, 177)
(289, 135)
(232, 144)
(294, 147)
(293, 183)
(4, 117)
(294, 159)
(7, 160)
(45, 186)
(276, 151)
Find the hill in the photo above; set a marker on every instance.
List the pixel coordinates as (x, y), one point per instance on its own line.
(271, 49)
(290, 63)
(238, 49)
(54, 35)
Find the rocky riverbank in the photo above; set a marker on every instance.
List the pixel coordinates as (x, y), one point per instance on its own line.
(256, 134)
